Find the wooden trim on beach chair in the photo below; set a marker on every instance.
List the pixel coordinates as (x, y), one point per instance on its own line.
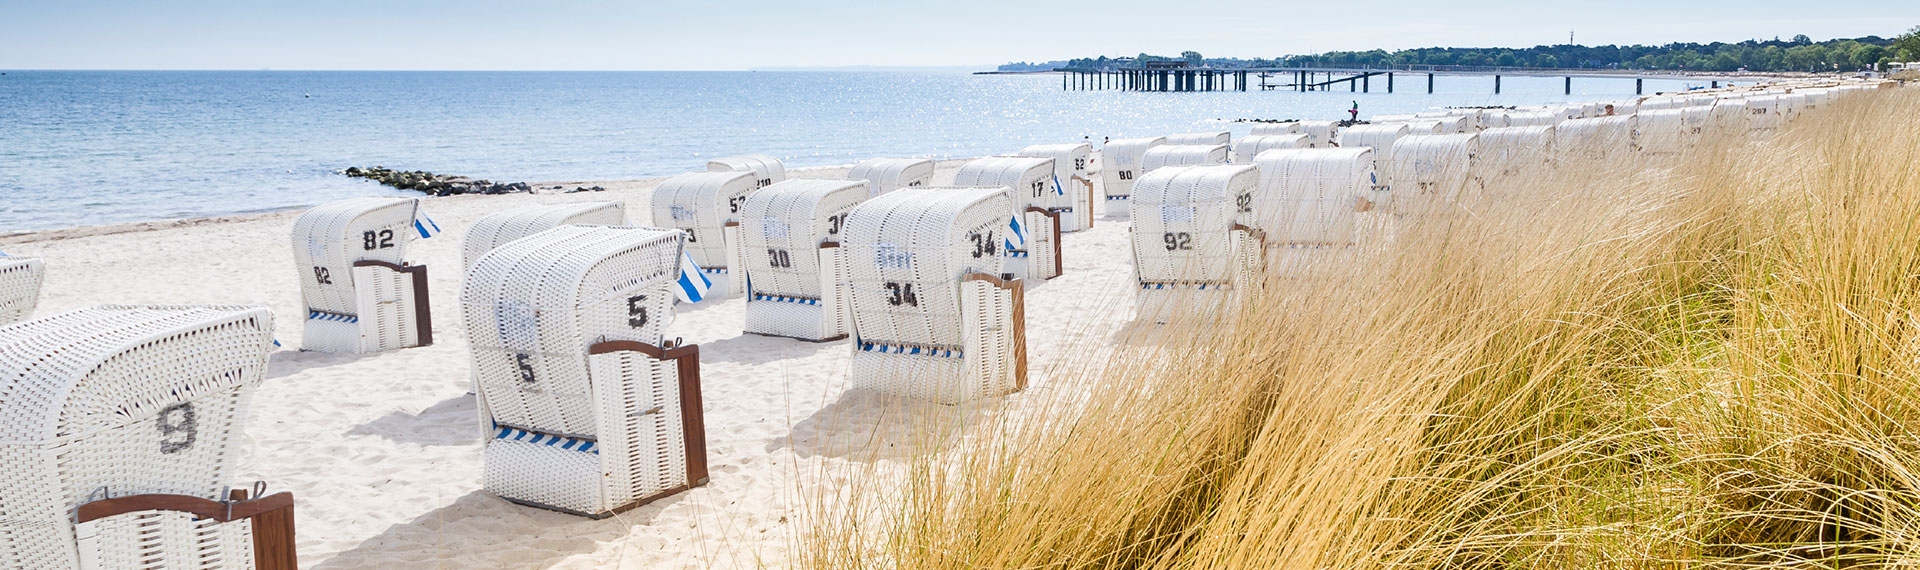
(1258, 235)
(1019, 292)
(272, 519)
(1091, 199)
(1055, 216)
(693, 421)
(422, 315)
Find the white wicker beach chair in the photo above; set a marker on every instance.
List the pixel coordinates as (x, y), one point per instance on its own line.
(1429, 171)
(1491, 119)
(1320, 134)
(1764, 112)
(502, 227)
(766, 169)
(1122, 168)
(1505, 151)
(1072, 197)
(1380, 138)
(122, 426)
(706, 205)
(1213, 138)
(584, 408)
(1309, 203)
(1182, 155)
(1250, 146)
(790, 232)
(1532, 119)
(934, 316)
(1663, 131)
(361, 294)
(1597, 138)
(1195, 242)
(20, 279)
(1424, 127)
(1027, 181)
(1267, 129)
(885, 175)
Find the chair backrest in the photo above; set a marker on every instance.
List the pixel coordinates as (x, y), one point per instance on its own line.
(766, 169)
(1250, 146)
(1595, 137)
(1028, 180)
(1663, 130)
(1122, 158)
(1432, 169)
(885, 175)
(1264, 129)
(1319, 134)
(1069, 162)
(20, 279)
(1380, 138)
(702, 204)
(1213, 138)
(329, 238)
(1183, 217)
(1532, 119)
(782, 227)
(1182, 155)
(502, 227)
(1508, 148)
(1310, 196)
(906, 252)
(128, 400)
(534, 305)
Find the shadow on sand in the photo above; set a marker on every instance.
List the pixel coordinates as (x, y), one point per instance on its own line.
(454, 421)
(480, 530)
(869, 426)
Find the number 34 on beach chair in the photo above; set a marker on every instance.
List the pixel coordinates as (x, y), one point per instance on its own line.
(360, 292)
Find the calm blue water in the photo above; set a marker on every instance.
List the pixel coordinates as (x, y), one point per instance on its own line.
(101, 147)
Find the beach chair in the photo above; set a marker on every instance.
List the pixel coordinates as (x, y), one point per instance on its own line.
(790, 233)
(934, 317)
(1072, 195)
(885, 175)
(1209, 139)
(1182, 155)
(20, 279)
(122, 426)
(766, 169)
(1267, 129)
(1506, 151)
(1196, 245)
(1309, 203)
(1663, 131)
(361, 294)
(585, 408)
(1430, 172)
(1764, 112)
(1250, 146)
(706, 205)
(1122, 168)
(1531, 119)
(502, 227)
(1320, 134)
(1033, 248)
(1380, 139)
(1597, 138)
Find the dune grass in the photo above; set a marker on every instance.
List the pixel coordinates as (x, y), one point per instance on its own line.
(1706, 360)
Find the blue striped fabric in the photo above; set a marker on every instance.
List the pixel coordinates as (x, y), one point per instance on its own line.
(319, 315)
(1200, 286)
(781, 299)
(897, 349)
(424, 224)
(1118, 197)
(567, 443)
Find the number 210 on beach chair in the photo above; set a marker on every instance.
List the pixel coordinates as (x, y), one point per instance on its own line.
(361, 294)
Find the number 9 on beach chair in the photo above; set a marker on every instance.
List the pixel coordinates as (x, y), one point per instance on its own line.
(791, 232)
(585, 409)
(1072, 195)
(360, 293)
(503, 227)
(766, 170)
(706, 205)
(121, 429)
(1194, 240)
(1122, 168)
(885, 175)
(20, 279)
(934, 317)
(1033, 244)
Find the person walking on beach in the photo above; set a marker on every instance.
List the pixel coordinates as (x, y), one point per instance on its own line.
(1354, 112)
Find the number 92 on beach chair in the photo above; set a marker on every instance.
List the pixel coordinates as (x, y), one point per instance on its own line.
(121, 426)
(361, 294)
(1194, 240)
(584, 408)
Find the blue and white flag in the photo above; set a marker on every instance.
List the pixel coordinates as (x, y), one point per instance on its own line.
(1058, 190)
(693, 283)
(424, 223)
(1017, 238)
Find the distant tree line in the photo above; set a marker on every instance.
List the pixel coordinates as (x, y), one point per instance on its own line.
(1798, 54)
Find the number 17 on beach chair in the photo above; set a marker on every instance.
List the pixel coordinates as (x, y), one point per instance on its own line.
(361, 294)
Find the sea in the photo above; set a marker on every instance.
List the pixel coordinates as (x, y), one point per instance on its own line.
(83, 148)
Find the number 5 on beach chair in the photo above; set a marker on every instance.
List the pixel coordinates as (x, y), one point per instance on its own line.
(120, 437)
(706, 205)
(585, 409)
(361, 294)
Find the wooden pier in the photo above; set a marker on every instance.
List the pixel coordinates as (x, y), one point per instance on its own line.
(1178, 77)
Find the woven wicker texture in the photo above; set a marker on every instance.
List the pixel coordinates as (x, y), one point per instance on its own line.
(1182, 155)
(885, 175)
(566, 430)
(919, 330)
(1250, 146)
(1072, 197)
(1664, 131)
(20, 279)
(795, 292)
(1511, 148)
(1026, 180)
(1205, 139)
(1311, 196)
(1320, 134)
(766, 170)
(702, 204)
(1532, 119)
(1431, 170)
(1185, 247)
(502, 227)
(1121, 169)
(1597, 137)
(327, 240)
(1380, 138)
(124, 400)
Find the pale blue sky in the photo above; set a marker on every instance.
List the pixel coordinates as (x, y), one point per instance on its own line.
(531, 34)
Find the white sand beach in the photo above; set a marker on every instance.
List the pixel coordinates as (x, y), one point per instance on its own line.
(382, 451)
